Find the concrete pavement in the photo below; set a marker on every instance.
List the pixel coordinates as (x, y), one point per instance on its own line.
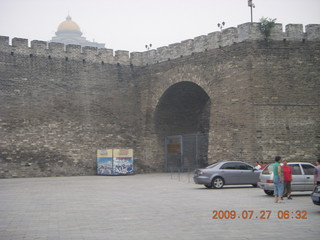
(148, 206)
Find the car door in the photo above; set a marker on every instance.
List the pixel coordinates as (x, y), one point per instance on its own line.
(230, 172)
(298, 182)
(308, 171)
(248, 175)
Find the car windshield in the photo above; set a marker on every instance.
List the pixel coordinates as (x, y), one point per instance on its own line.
(212, 165)
(268, 169)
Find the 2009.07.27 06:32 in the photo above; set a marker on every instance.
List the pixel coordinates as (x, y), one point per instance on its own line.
(263, 214)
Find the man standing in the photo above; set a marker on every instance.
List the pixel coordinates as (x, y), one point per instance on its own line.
(277, 179)
(317, 173)
(287, 178)
(257, 166)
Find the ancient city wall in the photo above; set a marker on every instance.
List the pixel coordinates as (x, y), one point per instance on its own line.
(58, 106)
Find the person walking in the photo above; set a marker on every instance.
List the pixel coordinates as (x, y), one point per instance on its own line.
(317, 173)
(277, 179)
(287, 178)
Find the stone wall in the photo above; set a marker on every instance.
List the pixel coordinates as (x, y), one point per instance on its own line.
(264, 99)
(255, 98)
(55, 114)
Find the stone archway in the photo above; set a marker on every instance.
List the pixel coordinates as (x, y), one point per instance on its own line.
(183, 109)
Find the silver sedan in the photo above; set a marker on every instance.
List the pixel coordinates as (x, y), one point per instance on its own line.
(302, 177)
(227, 173)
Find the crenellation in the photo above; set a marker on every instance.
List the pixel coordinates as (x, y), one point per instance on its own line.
(20, 45)
(56, 50)
(213, 40)
(313, 32)
(163, 53)
(276, 32)
(73, 51)
(150, 57)
(294, 32)
(122, 57)
(4, 42)
(136, 58)
(89, 53)
(229, 36)
(187, 47)
(106, 55)
(174, 50)
(38, 47)
(200, 43)
(249, 31)
(243, 32)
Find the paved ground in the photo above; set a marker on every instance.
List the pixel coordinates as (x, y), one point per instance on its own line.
(150, 206)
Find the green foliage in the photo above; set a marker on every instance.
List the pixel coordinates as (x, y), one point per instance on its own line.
(266, 24)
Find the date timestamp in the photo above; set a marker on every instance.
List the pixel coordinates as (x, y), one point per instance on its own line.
(263, 214)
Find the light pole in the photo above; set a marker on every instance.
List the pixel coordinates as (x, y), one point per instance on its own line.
(251, 5)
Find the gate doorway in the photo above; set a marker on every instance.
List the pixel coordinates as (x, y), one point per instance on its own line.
(184, 153)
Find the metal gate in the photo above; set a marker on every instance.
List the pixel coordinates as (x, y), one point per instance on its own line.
(186, 152)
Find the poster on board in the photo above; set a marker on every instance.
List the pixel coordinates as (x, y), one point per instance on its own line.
(122, 161)
(104, 162)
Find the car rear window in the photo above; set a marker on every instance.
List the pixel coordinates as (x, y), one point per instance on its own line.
(212, 165)
(268, 169)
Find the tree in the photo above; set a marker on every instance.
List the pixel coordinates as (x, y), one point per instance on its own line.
(266, 24)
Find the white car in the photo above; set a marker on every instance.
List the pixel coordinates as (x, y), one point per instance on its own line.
(302, 177)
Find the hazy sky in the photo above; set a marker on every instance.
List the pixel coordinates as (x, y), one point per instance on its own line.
(131, 24)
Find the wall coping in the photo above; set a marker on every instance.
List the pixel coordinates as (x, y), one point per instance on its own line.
(226, 37)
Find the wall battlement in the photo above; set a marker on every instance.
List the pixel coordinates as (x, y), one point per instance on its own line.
(228, 36)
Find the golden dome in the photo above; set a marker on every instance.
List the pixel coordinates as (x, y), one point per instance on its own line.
(68, 25)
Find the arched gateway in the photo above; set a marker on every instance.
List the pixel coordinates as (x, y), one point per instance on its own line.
(182, 123)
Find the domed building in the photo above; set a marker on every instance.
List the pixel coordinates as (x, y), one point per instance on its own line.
(69, 33)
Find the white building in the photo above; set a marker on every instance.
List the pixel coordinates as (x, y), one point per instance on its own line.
(69, 33)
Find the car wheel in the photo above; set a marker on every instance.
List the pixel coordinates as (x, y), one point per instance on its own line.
(208, 186)
(268, 192)
(217, 182)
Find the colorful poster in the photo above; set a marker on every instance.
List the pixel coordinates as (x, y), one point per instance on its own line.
(104, 162)
(122, 161)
